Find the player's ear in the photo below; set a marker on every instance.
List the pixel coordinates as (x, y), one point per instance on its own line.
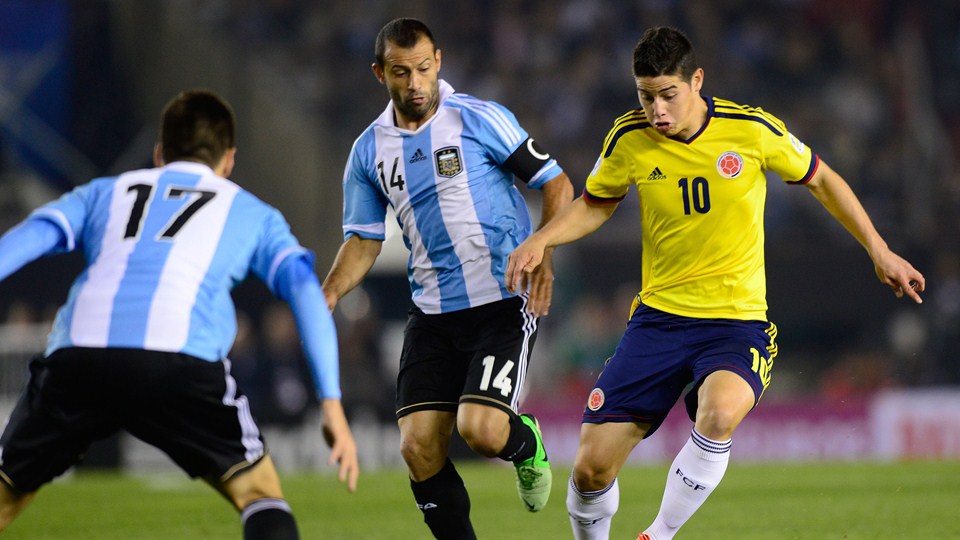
(158, 155)
(228, 161)
(696, 82)
(378, 72)
(436, 56)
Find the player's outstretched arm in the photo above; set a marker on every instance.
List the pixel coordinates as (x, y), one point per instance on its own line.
(838, 198)
(354, 259)
(298, 285)
(575, 221)
(30, 240)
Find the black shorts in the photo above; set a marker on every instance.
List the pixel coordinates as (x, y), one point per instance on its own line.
(189, 408)
(478, 355)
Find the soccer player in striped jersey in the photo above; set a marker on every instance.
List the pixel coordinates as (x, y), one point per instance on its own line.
(698, 164)
(141, 343)
(446, 162)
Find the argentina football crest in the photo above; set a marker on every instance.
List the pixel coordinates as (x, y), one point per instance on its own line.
(448, 161)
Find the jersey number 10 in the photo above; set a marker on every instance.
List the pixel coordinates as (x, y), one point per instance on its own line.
(695, 194)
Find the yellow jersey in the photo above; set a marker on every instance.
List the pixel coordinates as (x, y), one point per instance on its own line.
(701, 205)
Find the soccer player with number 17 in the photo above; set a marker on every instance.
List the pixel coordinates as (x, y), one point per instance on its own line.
(141, 343)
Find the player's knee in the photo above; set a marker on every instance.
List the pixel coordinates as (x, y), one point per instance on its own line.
(423, 457)
(412, 449)
(718, 423)
(592, 476)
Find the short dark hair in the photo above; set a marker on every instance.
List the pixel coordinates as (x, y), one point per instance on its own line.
(664, 51)
(196, 125)
(404, 32)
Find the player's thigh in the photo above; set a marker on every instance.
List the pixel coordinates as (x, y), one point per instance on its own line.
(603, 450)
(432, 367)
(65, 407)
(646, 375)
(257, 482)
(202, 420)
(735, 360)
(503, 343)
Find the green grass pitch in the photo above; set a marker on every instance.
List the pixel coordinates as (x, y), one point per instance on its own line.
(816, 501)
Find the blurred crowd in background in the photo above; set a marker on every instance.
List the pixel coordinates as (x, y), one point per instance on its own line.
(873, 86)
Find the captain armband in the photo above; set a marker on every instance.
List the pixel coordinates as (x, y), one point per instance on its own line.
(527, 160)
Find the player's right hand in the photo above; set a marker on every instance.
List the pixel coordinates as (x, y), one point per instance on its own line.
(331, 298)
(898, 274)
(521, 264)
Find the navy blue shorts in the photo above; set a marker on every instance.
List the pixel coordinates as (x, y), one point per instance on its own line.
(478, 354)
(189, 408)
(661, 354)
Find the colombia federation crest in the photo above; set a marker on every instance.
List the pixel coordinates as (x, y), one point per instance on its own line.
(595, 401)
(729, 164)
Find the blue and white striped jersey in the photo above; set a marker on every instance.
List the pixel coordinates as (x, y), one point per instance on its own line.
(163, 249)
(457, 205)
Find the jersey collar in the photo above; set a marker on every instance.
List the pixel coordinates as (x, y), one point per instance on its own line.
(191, 167)
(706, 122)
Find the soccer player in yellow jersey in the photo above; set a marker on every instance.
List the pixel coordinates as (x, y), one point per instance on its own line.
(698, 164)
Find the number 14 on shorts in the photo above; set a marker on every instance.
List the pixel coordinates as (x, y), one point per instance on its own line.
(502, 381)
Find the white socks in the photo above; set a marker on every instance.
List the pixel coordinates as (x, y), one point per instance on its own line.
(591, 512)
(695, 472)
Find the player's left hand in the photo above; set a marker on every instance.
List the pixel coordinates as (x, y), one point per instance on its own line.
(343, 447)
(899, 275)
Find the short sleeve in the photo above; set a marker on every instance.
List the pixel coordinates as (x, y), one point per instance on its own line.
(612, 174)
(364, 205)
(785, 154)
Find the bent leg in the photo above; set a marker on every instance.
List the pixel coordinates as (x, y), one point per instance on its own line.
(436, 485)
(496, 432)
(256, 493)
(724, 400)
(593, 494)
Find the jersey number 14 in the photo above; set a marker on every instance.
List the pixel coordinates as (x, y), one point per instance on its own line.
(396, 180)
(502, 381)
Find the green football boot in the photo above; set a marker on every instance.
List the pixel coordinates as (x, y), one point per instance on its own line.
(533, 475)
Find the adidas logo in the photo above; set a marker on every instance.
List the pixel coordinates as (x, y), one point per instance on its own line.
(418, 156)
(657, 174)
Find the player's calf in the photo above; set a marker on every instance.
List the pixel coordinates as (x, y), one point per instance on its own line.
(269, 519)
